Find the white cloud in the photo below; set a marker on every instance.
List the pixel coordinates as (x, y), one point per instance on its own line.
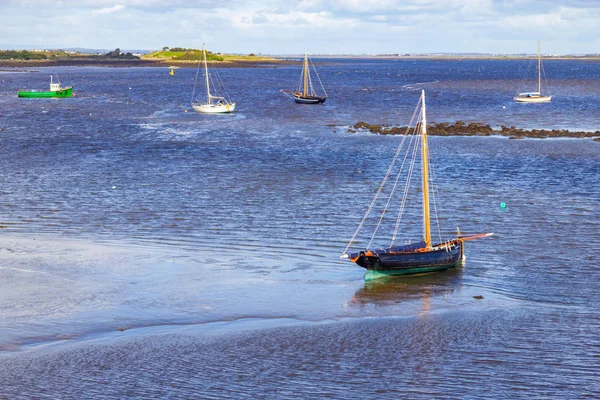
(108, 10)
(323, 26)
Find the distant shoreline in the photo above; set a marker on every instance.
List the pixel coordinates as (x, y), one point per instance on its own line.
(259, 63)
(444, 57)
(460, 128)
(271, 61)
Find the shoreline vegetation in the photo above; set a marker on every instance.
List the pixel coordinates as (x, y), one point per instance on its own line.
(188, 58)
(460, 128)
(177, 56)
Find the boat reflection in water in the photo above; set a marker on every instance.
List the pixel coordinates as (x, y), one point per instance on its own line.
(421, 289)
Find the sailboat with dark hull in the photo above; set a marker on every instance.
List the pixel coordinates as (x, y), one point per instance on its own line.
(422, 256)
(305, 92)
(410, 259)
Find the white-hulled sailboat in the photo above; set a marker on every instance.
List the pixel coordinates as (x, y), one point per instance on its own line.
(212, 104)
(535, 97)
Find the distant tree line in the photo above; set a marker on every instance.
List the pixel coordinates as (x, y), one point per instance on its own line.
(21, 55)
(117, 53)
(197, 55)
(188, 54)
(178, 49)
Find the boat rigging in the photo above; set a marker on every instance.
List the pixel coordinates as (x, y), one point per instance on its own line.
(305, 92)
(212, 104)
(424, 255)
(535, 97)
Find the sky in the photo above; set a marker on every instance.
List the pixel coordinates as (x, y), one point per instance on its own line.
(320, 26)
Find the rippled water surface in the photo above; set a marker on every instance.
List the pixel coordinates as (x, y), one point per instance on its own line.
(150, 252)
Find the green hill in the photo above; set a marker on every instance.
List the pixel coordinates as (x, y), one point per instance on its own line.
(182, 54)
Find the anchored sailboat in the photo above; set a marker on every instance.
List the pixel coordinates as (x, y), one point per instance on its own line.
(535, 97)
(423, 256)
(305, 92)
(212, 104)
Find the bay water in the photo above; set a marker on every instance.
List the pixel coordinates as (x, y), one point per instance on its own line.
(148, 251)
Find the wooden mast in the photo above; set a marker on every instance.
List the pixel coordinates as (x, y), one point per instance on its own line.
(425, 168)
(206, 73)
(539, 72)
(305, 72)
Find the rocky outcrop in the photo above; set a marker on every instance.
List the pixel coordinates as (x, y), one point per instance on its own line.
(460, 128)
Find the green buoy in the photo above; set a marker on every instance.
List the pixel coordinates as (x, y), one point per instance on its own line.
(503, 205)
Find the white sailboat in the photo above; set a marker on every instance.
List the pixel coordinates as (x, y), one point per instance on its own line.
(535, 97)
(212, 104)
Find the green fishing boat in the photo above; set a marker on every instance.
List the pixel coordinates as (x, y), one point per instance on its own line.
(55, 91)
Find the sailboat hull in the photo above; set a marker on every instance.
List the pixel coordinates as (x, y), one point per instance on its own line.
(533, 99)
(214, 108)
(382, 265)
(309, 99)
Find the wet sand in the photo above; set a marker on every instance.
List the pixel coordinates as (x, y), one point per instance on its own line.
(489, 352)
(63, 290)
(113, 320)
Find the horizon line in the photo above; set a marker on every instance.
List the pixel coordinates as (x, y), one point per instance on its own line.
(390, 54)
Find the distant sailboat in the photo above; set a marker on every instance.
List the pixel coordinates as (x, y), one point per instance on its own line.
(535, 97)
(305, 92)
(422, 256)
(212, 104)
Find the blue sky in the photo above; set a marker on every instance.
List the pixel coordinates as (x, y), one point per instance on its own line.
(321, 26)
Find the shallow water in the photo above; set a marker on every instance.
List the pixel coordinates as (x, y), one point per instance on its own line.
(149, 252)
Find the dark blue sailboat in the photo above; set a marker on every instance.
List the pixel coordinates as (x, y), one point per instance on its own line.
(420, 257)
(305, 92)
(412, 259)
(301, 98)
